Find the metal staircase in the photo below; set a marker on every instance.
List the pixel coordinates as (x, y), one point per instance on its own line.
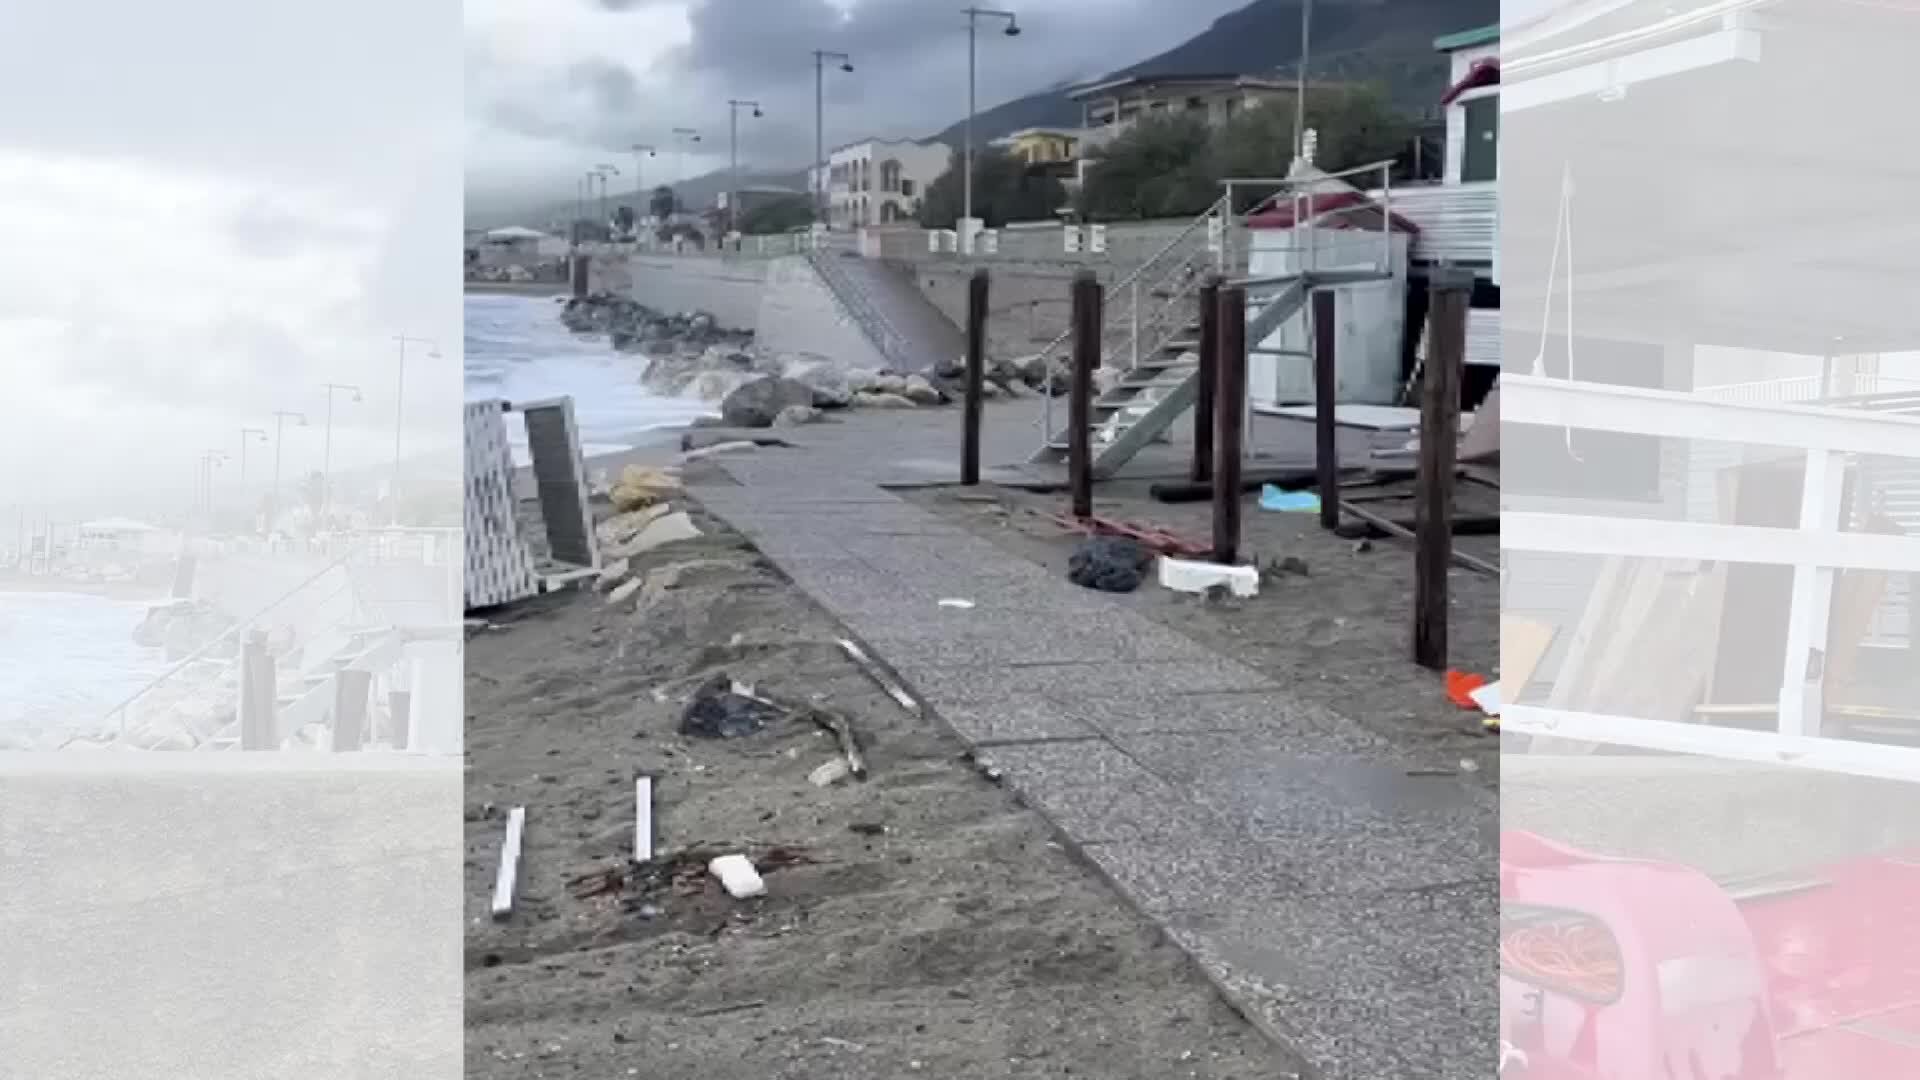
(1151, 334)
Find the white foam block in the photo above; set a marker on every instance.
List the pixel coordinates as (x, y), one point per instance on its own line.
(503, 885)
(737, 875)
(643, 819)
(1193, 576)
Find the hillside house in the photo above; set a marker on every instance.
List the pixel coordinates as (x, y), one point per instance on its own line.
(1112, 106)
(879, 181)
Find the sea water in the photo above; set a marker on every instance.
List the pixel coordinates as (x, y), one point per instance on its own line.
(66, 660)
(517, 350)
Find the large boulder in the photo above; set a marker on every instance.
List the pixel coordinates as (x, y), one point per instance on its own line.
(833, 386)
(921, 392)
(873, 399)
(755, 404)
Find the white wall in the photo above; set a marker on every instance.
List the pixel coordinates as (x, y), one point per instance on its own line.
(800, 314)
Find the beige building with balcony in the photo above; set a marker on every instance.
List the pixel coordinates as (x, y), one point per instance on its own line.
(1115, 104)
(879, 181)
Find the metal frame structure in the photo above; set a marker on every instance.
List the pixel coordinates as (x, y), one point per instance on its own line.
(1815, 550)
(499, 569)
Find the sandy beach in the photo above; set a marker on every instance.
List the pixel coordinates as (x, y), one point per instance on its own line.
(922, 922)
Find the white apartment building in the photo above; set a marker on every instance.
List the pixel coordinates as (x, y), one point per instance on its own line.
(880, 181)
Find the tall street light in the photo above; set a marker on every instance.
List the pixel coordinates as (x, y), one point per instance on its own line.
(280, 418)
(974, 15)
(682, 136)
(602, 172)
(399, 416)
(734, 105)
(326, 453)
(209, 461)
(820, 58)
(1300, 86)
(639, 189)
(248, 434)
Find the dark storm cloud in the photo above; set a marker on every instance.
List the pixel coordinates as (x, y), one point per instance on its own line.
(910, 80)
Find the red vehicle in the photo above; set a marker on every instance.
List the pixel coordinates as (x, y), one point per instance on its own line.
(1621, 969)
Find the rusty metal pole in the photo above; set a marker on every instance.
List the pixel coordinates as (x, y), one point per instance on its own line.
(1202, 467)
(1086, 357)
(1439, 438)
(1326, 449)
(976, 377)
(1230, 412)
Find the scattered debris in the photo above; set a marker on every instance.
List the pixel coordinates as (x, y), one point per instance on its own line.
(956, 602)
(734, 447)
(1362, 546)
(830, 773)
(738, 877)
(1293, 502)
(1461, 686)
(1159, 540)
(843, 1044)
(697, 440)
(1109, 564)
(867, 828)
(614, 573)
(842, 731)
(505, 883)
(719, 710)
(1288, 565)
(640, 487)
(1187, 575)
(670, 529)
(887, 682)
(643, 819)
(624, 592)
(621, 528)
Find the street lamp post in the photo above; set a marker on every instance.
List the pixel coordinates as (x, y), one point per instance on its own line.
(209, 461)
(399, 416)
(820, 58)
(974, 15)
(326, 452)
(734, 105)
(247, 434)
(639, 189)
(602, 172)
(1300, 85)
(280, 418)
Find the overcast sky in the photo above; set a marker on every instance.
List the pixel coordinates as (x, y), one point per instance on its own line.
(556, 87)
(212, 208)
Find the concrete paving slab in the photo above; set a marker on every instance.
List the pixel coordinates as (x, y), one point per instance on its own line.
(1018, 721)
(1273, 714)
(1091, 792)
(1064, 681)
(958, 645)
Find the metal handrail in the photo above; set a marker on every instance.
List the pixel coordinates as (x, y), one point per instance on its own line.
(1044, 357)
(200, 654)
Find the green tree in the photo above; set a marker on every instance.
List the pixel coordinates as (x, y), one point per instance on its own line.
(663, 203)
(777, 216)
(1004, 190)
(1353, 126)
(1162, 166)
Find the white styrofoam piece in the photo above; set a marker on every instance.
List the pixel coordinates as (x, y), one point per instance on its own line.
(1487, 697)
(1188, 575)
(737, 875)
(643, 819)
(503, 885)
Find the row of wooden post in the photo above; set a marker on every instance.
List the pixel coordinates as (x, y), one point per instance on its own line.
(1219, 421)
(260, 704)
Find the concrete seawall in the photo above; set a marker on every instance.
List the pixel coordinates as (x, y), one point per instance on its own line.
(781, 299)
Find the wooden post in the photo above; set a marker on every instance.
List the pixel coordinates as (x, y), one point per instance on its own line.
(259, 697)
(1086, 357)
(1439, 437)
(400, 718)
(1202, 467)
(1229, 417)
(350, 699)
(976, 376)
(1326, 447)
(577, 271)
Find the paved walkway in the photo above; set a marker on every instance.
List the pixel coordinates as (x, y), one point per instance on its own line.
(1348, 907)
